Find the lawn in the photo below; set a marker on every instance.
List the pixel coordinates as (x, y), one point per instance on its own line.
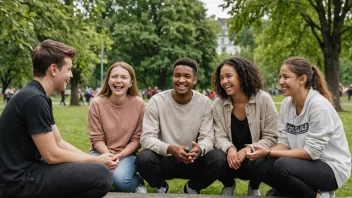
(72, 123)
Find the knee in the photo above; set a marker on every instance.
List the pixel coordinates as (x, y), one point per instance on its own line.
(282, 166)
(144, 158)
(102, 177)
(218, 159)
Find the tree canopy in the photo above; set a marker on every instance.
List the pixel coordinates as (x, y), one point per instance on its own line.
(316, 29)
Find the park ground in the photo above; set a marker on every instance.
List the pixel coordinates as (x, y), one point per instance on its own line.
(72, 123)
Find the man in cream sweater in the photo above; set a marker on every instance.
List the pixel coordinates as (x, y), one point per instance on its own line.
(178, 135)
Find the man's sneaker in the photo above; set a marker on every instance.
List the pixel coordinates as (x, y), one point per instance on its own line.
(325, 194)
(253, 192)
(332, 194)
(229, 190)
(188, 190)
(163, 189)
(141, 189)
(271, 192)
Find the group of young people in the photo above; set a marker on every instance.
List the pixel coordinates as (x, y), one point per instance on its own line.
(302, 153)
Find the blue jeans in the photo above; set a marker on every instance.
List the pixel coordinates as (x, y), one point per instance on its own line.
(124, 176)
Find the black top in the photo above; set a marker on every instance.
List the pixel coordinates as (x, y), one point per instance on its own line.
(240, 132)
(29, 112)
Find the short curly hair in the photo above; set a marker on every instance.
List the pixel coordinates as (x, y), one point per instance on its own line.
(250, 78)
(186, 61)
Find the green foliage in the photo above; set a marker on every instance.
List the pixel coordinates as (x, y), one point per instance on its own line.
(151, 35)
(313, 29)
(16, 22)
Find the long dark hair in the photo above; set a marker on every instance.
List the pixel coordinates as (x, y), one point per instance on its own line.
(315, 78)
(251, 80)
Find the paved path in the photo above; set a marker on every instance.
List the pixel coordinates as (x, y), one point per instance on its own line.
(154, 195)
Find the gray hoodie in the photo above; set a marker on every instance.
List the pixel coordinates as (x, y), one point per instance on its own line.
(318, 129)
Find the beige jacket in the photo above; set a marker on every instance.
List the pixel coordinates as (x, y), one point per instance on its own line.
(262, 119)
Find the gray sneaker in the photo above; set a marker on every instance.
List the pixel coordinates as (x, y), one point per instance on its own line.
(163, 189)
(270, 192)
(253, 192)
(229, 190)
(141, 189)
(188, 190)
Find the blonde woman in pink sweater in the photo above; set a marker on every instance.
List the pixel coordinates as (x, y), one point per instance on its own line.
(115, 125)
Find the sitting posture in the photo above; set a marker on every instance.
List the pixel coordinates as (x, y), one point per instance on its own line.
(34, 160)
(244, 116)
(311, 158)
(115, 125)
(178, 135)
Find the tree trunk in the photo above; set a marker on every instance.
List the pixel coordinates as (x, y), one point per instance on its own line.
(332, 50)
(74, 87)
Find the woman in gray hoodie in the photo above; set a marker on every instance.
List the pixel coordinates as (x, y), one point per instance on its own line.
(312, 157)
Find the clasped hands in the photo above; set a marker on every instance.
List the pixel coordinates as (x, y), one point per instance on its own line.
(184, 154)
(235, 158)
(110, 160)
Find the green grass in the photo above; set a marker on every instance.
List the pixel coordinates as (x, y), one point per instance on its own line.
(72, 123)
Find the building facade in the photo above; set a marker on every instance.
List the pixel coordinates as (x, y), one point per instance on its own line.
(224, 40)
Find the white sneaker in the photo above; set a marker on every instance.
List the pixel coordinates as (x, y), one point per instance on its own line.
(141, 189)
(163, 189)
(188, 190)
(229, 190)
(253, 192)
(324, 194)
(327, 194)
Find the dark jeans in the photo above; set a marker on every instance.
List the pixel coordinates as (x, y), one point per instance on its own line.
(69, 180)
(155, 169)
(244, 173)
(296, 177)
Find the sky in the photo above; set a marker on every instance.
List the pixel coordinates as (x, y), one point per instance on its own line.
(212, 7)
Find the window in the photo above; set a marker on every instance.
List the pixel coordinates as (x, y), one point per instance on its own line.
(223, 50)
(222, 41)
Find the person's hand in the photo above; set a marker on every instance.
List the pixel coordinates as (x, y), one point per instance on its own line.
(109, 160)
(232, 158)
(241, 155)
(179, 152)
(194, 153)
(260, 151)
(119, 156)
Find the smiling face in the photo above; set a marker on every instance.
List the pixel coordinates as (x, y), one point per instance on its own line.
(119, 81)
(183, 79)
(290, 83)
(229, 80)
(63, 75)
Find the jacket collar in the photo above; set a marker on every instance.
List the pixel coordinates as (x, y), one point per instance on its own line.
(228, 101)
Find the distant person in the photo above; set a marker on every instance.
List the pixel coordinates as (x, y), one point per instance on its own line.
(244, 116)
(349, 91)
(63, 97)
(178, 135)
(88, 94)
(9, 92)
(312, 157)
(34, 160)
(80, 97)
(115, 125)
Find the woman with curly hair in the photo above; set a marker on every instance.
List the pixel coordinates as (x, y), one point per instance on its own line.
(244, 116)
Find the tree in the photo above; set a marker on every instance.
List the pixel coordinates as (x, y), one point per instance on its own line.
(328, 22)
(151, 35)
(16, 22)
(15, 65)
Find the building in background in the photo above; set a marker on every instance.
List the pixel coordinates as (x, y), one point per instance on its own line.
(225, 41)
